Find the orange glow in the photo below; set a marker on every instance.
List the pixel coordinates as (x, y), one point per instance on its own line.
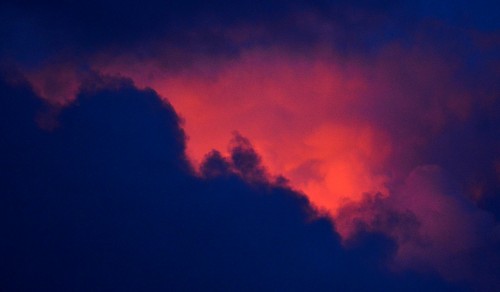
(296, 110)
(347, 132)
(336, 127)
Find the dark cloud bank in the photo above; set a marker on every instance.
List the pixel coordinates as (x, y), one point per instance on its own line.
(107, 202)
(34, 31)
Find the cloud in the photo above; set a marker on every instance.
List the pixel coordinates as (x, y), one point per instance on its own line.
(107, 201)
(451, 226)
(348, 102)
(434, 224)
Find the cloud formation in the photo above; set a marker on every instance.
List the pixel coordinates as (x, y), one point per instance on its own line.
(107, 201)
(385, 115)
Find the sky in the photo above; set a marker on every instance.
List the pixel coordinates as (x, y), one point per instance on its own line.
(250, 145)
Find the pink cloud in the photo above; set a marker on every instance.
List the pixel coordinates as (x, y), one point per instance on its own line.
(342, 130)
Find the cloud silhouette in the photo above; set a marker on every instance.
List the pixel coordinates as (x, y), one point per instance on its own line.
(107, 201)
(381, 116)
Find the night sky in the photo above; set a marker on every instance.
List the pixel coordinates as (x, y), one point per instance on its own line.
(250, 145)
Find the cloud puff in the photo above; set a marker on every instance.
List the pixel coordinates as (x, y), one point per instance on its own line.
(434, 224)
(107, 201)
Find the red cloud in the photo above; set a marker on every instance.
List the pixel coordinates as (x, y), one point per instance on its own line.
(340, 129)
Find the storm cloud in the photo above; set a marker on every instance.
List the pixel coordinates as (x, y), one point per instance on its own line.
(360, 138)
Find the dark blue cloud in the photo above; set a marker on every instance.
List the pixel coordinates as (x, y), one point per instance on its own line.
(33, 31)
(472, 154)
(107, 202)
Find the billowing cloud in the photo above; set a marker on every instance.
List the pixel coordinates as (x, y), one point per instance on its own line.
(385, 115)
(432, 222)
(107, 201)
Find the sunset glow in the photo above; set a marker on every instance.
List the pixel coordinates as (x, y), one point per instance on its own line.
(370, 131)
